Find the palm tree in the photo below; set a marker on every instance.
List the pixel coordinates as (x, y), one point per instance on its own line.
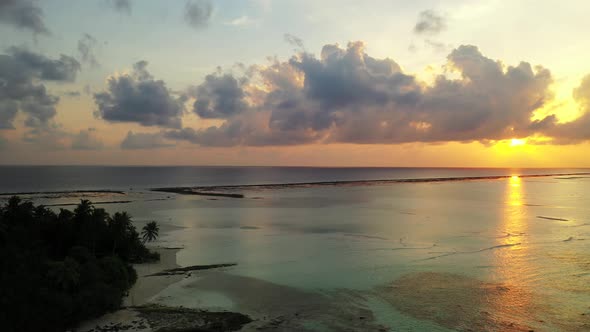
(65, 275)
(83, 210)
(119, 226)
(150, 231)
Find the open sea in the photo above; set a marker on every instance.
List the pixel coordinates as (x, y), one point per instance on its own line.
(485, 254)
(63, 178)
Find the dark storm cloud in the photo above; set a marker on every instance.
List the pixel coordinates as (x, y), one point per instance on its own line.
(430, 22)
(135, 141)
(21, 75)
(86, 140)
(138, 97)
(23, 14)
(86, 47)
(197, 13)
(122, 6)
(345, 95)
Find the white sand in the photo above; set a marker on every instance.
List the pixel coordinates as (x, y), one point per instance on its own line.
(144, 289)
(147, 287)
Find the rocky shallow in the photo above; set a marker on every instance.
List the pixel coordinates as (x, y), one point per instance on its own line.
(156, 318)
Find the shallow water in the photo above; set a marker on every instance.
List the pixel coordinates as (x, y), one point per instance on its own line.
(509, 254)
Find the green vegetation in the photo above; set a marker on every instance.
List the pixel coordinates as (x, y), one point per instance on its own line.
(57, 269)
(150, 232)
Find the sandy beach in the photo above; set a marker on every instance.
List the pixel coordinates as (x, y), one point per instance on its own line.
(139, 315)
(148, 286)
(145, 288)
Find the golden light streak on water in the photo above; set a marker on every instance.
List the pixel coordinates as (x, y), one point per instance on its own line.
(514, 221)
(515, 301)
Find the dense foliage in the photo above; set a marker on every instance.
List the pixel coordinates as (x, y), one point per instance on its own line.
(57, 269)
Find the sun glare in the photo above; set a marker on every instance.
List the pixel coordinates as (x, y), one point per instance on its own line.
(517, 142)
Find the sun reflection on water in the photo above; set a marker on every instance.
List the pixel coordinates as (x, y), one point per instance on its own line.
(513, 261)
(514, 197)
(514, 221)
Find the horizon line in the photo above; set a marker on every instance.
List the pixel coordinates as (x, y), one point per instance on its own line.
(289, 166)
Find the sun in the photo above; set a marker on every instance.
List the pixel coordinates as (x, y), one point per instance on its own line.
(517, 142)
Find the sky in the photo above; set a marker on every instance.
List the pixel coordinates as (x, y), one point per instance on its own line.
(457, 83)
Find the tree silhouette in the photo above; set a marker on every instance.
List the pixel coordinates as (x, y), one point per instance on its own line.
(119, 228)
(63, 268)
(150, 231)
(65, 275)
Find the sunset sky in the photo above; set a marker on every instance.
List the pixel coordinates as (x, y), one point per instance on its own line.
(278, 82)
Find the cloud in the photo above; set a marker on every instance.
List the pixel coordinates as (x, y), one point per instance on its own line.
(40, 110)
(137, 141)
(220, 96)
(436, 46)
(121, 6)
(138, 97)
(264, 5)
(63, 69)
(197, 13)
(348, 76)
(23, 14)
(184, 134)
(574, 131)
(489, 102)
(48, 137)
(86, 140)
(86, 47)
(430, 22)
(294, 41)
(22, 74)
(241, 21)
(347, 96)
(8, 110)
(72, 94)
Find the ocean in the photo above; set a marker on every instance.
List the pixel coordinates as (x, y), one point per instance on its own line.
(64, 178)
(498, 254)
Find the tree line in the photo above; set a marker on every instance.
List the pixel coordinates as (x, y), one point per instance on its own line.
(60, 268)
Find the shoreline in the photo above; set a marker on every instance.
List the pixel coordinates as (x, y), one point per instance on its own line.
(147, 285)
(126, 318)
(65, 192)
(139, 314)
